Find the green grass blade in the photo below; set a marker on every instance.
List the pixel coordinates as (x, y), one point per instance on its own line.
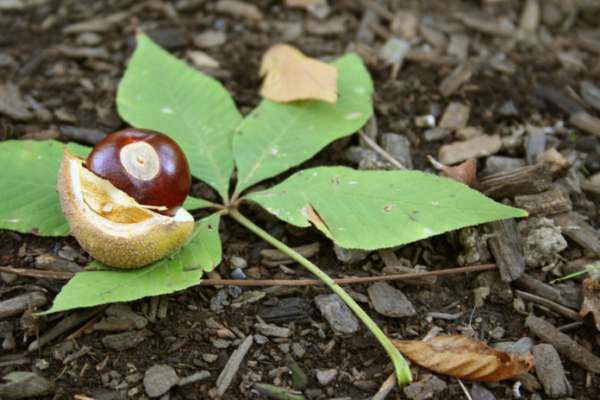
(161, 92)
(378, 209)
(91, 288)
(276, 137)
(28, 199)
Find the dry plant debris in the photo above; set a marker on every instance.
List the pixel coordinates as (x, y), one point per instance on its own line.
(466, 358)
(290, 76)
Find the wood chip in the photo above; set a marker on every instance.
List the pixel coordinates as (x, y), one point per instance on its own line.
(27, 301)
(232, 366)
(456, 79)
(543, 204)
(521, 181)
(564, 344)
(576, 229)
(586, 122)
(507, 248)
(479, 146)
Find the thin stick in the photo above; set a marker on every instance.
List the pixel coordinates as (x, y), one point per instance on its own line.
(318, 282)
(382, 152)
(83, 328)
(38, 274)
(462, 385)
(299, 282)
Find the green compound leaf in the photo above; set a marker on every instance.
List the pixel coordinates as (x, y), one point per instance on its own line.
(277, 136)
(194, 203)
(162, 93)
(378, 209)
(91, 288)
(28, 199)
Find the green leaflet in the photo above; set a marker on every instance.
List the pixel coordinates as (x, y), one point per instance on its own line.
(194, 203)
(278, 136)
(378, 209)
(91, 288)
(162, 93)
(28, 199)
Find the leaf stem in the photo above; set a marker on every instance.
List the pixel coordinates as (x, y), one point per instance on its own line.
(400, 365)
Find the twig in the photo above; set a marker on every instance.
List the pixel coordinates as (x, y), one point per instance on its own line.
(83, 328)
(462, 385)
(381, 151)
(317, 282)
(38, 274)
(562, 310)
(386, 388)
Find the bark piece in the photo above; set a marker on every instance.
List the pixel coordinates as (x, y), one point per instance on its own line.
(456, 79)
(521, 181)
(530, 16)
(455, 116)
(591, 302)
(550, 371)
(563, 103)
(579, 231)
(507, 248)
(535, 143)
(228, 373)
(65, 325)
(479, 146)
(27, 301)
(563, 344)
(562, 310)
(586, 122)
(546, 203)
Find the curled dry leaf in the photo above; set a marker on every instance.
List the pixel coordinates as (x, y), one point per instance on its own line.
(465, 358)
(290, 76)
(463, 173)
(591, 302)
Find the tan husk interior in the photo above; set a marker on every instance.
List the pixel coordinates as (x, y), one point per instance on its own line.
(110, 225)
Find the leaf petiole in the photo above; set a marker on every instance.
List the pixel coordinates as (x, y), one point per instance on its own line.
(402, 370)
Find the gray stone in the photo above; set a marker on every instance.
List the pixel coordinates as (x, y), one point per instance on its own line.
(428, 386)
(389, 301)
(18, 304)
(123, 341)
(234, 291)
(327, 376)
(6, 60)
(88, 39)
(397, 146)
(9, 342)
(159, 379)
(434, 134)
(496, 164)
(338, 314)
(8, 278)
(217, 300)
(25, 385)
(508, 109)
(260, 339)
(123, 312)
(455, 116)
(170, 38)
(349, 256)
(12, 105)
(238, 274)
(550, 371)
(238, 262)
(237, 8)
(209, 39)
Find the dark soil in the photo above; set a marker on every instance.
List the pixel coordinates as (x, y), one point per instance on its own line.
(85, 88)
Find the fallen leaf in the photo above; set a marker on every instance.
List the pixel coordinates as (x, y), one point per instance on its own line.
(591, 302)
(466, 358)
(290, 76)
(463, 173)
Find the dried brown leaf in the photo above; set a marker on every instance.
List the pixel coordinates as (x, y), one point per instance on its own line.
(465, 358)
(591, 302)
(463, 173)
(290, 76)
